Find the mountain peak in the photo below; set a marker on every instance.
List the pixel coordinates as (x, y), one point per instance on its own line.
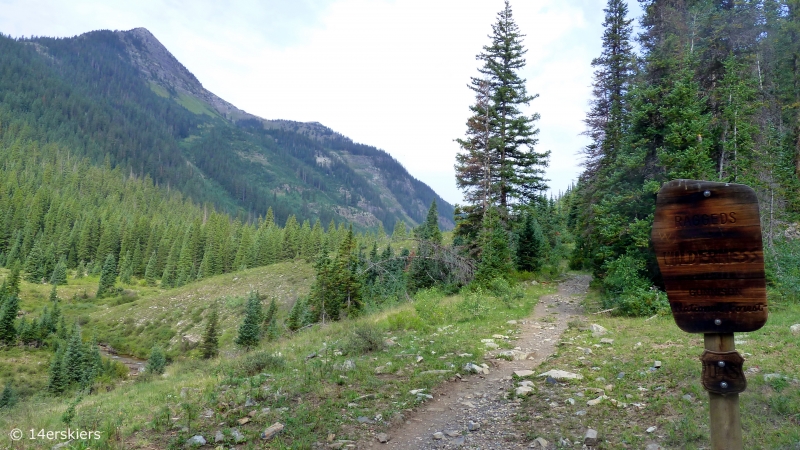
(162, 68)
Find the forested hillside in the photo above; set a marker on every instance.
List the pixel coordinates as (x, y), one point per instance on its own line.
(713, 94)
(120, 99)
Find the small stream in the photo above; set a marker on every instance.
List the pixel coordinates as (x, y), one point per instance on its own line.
(136, 365)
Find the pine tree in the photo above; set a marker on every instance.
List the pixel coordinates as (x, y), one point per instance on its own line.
(35, 263)
(14, 279)
(9, 307)
(517, 169)
(272, 311)
(108, 276)
(74, 357)
(150, 271)
(157, 361)
(612, 77)
(80, 272)
(92, 364)
(495, 259)
(59, 275)
(295, 319)
(210, 345)
(7, 396)
(58, 381)
(53, 294)
(126, 268)
(250, 329)
(426, 269)
(531, 247)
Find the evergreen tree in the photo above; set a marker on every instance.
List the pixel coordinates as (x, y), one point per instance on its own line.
(426, 269)
(74, 357)
(157, 361)
(150, 271)
(126, 268)
(53, 294)
(58, 381)
(250, 329)
(9, 307)
(517, 169)
(7, 397)
(495, 259)
(92, 364)
(12, 282)
(294, 321)
(210, 345)
(80, 272)
(532, 246)
(108, 276)
(272, 313)
(35, 263)
(612, 77)
(59, 275)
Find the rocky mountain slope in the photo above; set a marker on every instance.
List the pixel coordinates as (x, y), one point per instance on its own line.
(149, 115)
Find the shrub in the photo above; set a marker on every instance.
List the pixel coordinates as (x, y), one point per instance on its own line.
(157, 361)
(428, 304)
(262, 361)
(364, 339)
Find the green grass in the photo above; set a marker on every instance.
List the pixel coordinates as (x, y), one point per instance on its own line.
(159, 90)
(311, 396)
(770, 411)
(195, 105)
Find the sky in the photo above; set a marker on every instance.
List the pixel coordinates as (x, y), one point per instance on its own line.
(388, 73)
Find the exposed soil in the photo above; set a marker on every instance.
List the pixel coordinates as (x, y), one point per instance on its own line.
(485, 399)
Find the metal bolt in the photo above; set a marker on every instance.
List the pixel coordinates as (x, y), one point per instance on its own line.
(721, 363)
(723, 385)
(717, 322)
(707, 194)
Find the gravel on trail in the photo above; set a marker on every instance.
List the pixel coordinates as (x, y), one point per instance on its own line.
(482, 402)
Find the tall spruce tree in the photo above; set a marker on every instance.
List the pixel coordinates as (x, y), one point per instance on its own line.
(517, 169)
(612, 78)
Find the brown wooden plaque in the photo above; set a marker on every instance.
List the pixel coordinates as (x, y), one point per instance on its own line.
(722, 372)
(707, 239)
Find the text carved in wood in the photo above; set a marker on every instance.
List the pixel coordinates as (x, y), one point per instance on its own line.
(707, 239)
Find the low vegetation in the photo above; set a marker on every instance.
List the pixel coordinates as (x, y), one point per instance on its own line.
(345, 378)
(670, 398)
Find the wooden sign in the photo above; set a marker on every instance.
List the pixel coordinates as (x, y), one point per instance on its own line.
(722, 372)
(707, 239)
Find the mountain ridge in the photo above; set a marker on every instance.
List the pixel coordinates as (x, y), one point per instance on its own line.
(146, 112)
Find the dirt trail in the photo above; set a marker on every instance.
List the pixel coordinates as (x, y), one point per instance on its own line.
(482, 398)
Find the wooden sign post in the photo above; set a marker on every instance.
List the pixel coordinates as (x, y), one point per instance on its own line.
(707, 239)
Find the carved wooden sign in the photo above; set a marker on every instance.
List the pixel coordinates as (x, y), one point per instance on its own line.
(722, 372)
(707, 239)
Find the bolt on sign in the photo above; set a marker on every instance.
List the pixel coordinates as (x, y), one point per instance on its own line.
(707, 239)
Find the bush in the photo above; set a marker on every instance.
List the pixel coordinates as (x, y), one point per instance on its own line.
(157, 361)
(475, 303)
(628, 291)
(405, 320)
(364, 339)
(428, 304)
(262, 361)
